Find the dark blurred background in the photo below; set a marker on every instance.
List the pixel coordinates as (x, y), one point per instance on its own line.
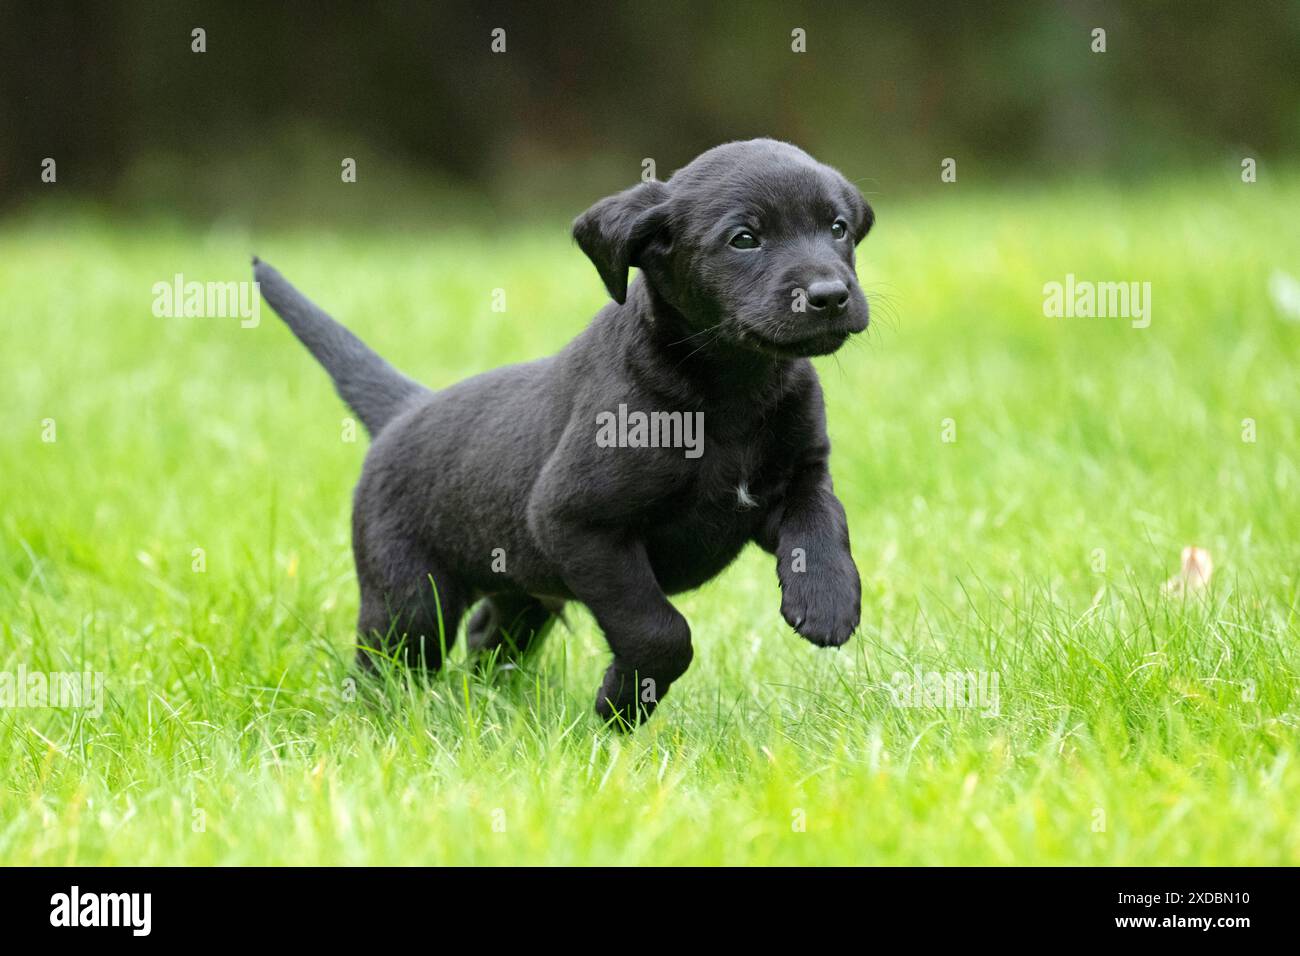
(255, 129)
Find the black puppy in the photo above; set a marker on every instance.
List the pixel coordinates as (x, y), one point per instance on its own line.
(683, 423)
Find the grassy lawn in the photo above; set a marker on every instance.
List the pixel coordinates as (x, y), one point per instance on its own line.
(1018, 488)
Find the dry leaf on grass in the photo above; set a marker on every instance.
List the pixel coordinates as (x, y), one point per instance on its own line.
(1194, 573)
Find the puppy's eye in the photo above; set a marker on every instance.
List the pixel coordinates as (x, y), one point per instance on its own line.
(744, 240)
(839, 229)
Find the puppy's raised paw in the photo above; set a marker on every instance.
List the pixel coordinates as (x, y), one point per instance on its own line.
(822, 604)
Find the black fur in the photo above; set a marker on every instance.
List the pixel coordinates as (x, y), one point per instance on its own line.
(506, 466)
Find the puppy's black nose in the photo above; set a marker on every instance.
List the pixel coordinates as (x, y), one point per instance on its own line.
(828, 296)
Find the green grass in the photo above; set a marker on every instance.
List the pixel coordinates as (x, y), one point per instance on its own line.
(1132, 728)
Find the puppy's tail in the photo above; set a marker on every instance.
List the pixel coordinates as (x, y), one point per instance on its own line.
(371, 387)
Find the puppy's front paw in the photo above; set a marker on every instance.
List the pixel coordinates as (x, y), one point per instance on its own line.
(618, 700)
(821, 601)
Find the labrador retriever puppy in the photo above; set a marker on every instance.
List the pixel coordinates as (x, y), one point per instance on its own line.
(683, 423)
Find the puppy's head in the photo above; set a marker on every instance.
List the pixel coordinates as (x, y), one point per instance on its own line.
(753, 240)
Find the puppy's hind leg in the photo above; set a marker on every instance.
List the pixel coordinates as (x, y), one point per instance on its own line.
(514, 624)
(410, 610)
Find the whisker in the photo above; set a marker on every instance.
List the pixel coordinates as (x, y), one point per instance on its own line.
(704, 345)
(693, 334)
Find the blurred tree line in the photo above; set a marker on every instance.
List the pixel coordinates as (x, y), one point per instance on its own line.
(259, 124)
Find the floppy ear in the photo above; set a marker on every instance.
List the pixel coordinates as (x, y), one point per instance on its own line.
(614, 231)
(864, 217)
